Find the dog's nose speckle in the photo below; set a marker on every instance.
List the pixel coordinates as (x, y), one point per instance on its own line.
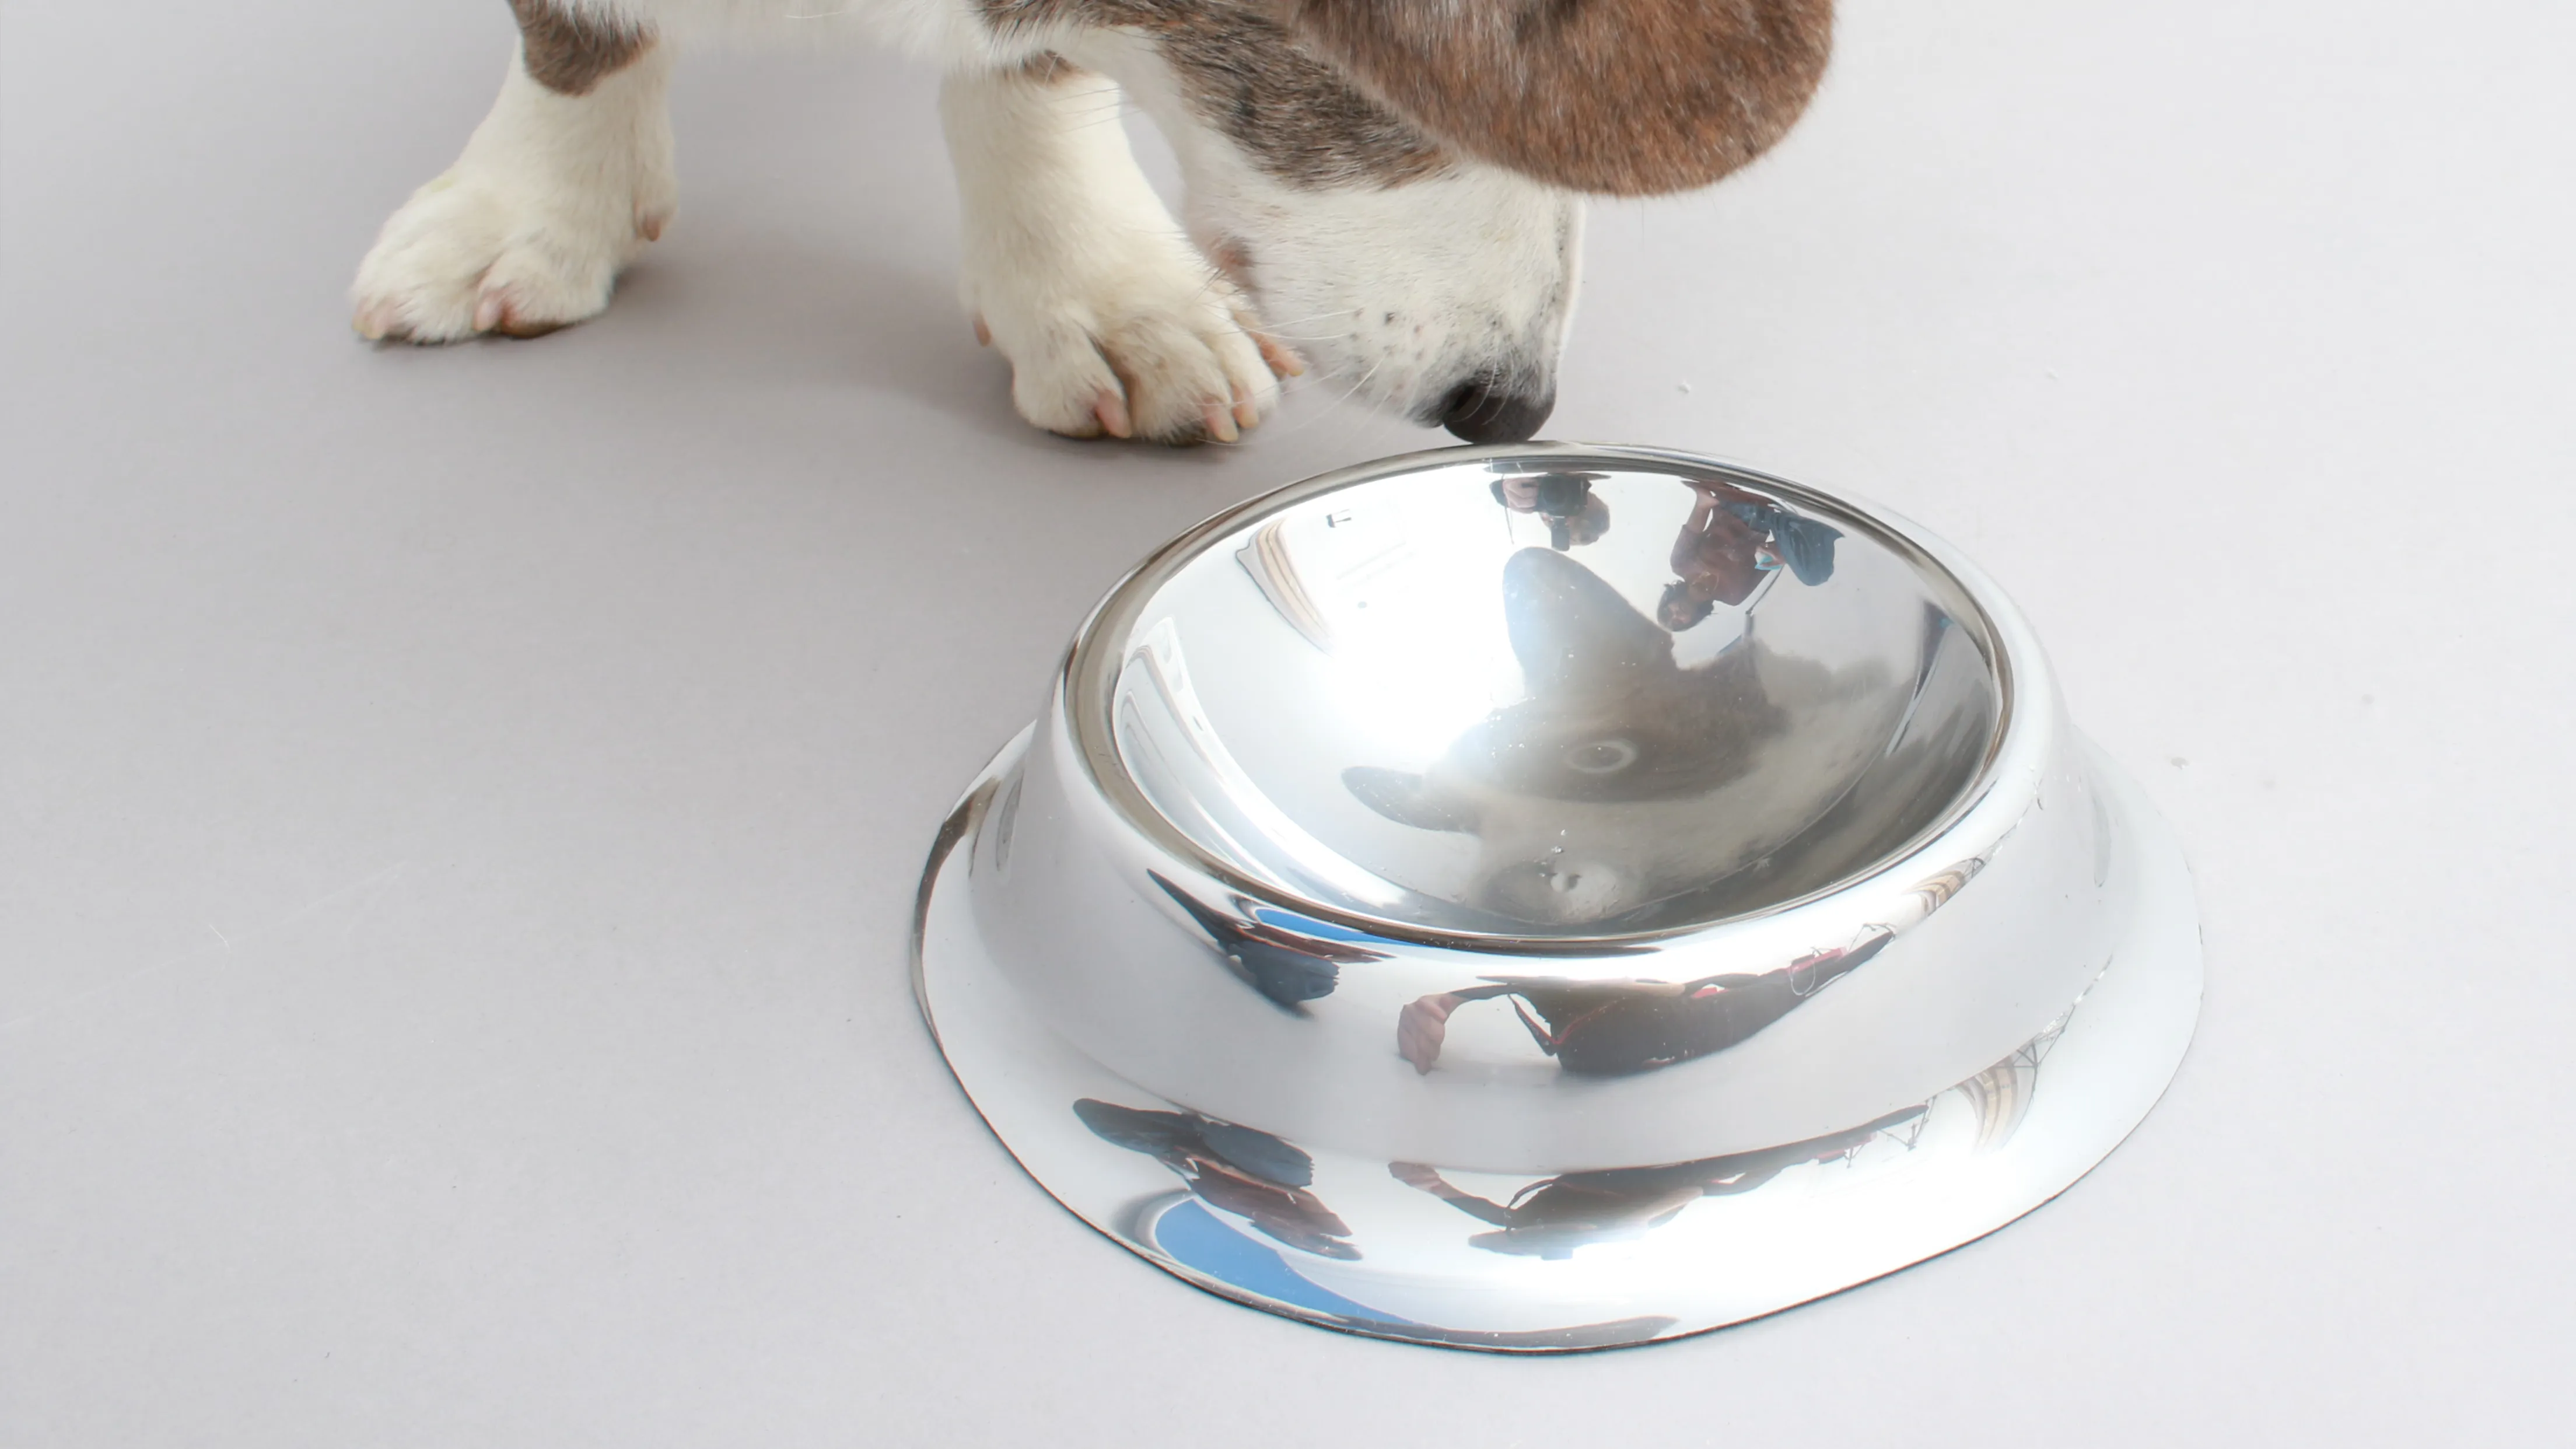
(1482, 410)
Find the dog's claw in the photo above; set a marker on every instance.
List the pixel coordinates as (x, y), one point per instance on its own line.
(1158, 355)
(512, 326)
(983, 334)
(499, 310)
(1284, 362)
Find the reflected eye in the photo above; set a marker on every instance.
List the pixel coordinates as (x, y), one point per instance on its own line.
(1601, 757)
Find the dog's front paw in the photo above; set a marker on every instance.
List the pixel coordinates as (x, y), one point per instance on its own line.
(1167, 351)
(472, 253)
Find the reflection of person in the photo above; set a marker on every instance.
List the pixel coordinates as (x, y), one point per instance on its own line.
(1565, 500)
(1237, 1170)
(1552, 1218)
(1617, 1028)
(1732, 539)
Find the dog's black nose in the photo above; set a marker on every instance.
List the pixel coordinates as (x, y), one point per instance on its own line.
(1483, 410)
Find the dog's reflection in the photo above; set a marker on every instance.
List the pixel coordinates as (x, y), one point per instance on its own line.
(1554, 1216)
(1611, 725)
(1605, 791)
(1238, 1170)
(1615, 1028)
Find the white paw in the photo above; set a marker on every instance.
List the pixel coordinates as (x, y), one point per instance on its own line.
(529, 229)
(1153, 345)
(463, 257)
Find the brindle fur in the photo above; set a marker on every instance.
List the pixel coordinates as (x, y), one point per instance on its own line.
(1297, 116)
(1627, 97)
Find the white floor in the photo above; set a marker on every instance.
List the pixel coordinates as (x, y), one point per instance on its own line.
(458, 810)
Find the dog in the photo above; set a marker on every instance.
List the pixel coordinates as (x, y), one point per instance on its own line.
(1625, 784)
(1389, 191)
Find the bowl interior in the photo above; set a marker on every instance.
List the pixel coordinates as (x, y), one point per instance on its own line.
(1545, 695)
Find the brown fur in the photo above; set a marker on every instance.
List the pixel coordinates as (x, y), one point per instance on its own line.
(571, 53)
(1622, 96)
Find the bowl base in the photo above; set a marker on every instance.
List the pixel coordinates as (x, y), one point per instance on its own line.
(1584, 1260)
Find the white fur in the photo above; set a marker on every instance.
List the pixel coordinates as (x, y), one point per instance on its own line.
(528, 229)
(1401, 292)
(1111, 319)
(1405, 293)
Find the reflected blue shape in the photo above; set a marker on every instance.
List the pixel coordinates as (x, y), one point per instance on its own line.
(1309, 926)
(1199, 1240)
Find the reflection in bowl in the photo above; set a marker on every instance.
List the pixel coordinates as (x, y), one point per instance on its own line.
(1548, 897)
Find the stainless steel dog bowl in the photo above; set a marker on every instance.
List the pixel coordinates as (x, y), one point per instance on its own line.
(1548, 897)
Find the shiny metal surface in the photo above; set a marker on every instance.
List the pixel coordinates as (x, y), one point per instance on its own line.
(1546, 897)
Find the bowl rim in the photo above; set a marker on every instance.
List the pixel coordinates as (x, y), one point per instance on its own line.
(1080, 701)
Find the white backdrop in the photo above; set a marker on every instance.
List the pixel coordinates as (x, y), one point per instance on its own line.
(458, 810)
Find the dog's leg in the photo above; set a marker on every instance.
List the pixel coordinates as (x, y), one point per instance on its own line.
(1111, 319)
(561, 186)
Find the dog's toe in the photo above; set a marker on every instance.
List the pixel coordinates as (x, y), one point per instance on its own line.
(1190, 379)
(1157, 352)
(463, 259)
